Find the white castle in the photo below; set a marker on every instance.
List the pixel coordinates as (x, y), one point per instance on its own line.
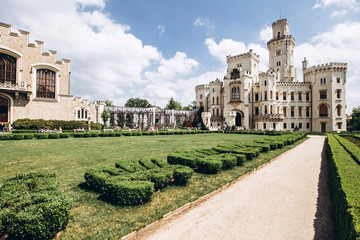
(276, 99)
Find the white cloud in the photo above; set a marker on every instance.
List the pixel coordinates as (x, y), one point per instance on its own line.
(340, 7)
(230, 47)
(266, 33)
(93, 3)
(161, 30)
(204, 22)
(340, 44)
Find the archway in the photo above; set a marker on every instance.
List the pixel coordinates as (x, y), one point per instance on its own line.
(4, 109)
(238, 120)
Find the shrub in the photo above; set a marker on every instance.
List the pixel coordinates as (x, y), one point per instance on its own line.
(78, 135)
(42, 136)
(182, 175)
(161, 177)
(130, 166)
(53, 136)
(177, 158)
(5, 136)
(94, 134)
(206, 166)
(28, 136)
(34, 208)
(147, 163)
(128, 192)
(64, 135)
(344, 175)
(17, 137)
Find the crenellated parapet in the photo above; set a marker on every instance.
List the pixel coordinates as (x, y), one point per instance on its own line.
(236, 58)
(202, 87)
(327, 67)
(23, 37)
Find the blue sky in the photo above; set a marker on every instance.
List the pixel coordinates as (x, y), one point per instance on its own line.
(164, 48)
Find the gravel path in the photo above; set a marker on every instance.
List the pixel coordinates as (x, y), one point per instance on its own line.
(287, 199)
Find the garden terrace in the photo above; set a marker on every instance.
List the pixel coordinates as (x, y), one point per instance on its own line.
(71, 157)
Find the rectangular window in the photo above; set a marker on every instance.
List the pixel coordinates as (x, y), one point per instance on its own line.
(256, 111)
(79, 114)
(307, 96)
(277, 95)
(256, 97)
(264, 125)
(338, 93)
(284, 95)
(339, 124)
(307, 125)
(284, 125)
(292, 111)
(300, 96)
(86, 114)
(300, 111)
(323, 94)
(300, 125)
(284, 111)
(292, 96)
(274, 126)
(201, 96)
(307, 111)
(292, 125)
(338, 79)
(82, 113)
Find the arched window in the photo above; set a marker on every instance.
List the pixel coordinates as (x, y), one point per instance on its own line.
(323, 110)
(45, 83)
(217, 100)
(7, 69)
(266, 110)
(271, 94)
(338, 110)
(213, 100)
(217, 112)
(265, 83)
(265, 95)
(278, 35)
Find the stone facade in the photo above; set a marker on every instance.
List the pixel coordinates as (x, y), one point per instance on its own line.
(276, 99)
(35, 84)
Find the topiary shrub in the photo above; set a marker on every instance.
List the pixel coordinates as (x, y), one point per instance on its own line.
(53, 136)
(182, 175)
(5, 137)
(128, 192)
(161, 177)
(147, 163)
(78, 135)
(28, 136)
(32, 207)
(42, 136)
(17, 137)
(64, 135)
(206, 166)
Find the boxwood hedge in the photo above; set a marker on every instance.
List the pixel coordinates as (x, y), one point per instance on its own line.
(31, 207)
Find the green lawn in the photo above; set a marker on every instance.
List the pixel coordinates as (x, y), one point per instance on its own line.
(95, 219)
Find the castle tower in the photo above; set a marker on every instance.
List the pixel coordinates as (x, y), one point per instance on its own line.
(281, 51)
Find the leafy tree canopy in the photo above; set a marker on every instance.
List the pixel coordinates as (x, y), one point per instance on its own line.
(354, 123)
(109, 103)
(173, 105)
(105, 116)
(137, 102)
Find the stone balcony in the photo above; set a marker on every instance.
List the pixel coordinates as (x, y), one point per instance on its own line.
(269, 117)
(16, 88)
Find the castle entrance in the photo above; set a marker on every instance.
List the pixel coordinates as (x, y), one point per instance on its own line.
(4, 110)
(238, 120)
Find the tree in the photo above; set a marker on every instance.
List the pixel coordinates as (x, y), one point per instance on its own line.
(191, 106)
(137, 102)
(354, 123)
(105, 116)
(173, 105)
(109, 103)
(121, 120)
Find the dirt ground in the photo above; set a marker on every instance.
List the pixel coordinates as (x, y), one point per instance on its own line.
(287, 199)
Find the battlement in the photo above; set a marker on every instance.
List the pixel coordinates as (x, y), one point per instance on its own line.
(6, 29)
(283, 20)
(332, 66)
(293, 83)
(241, 56)
(202, 87)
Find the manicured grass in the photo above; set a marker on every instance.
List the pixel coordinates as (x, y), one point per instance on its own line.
(96, 219)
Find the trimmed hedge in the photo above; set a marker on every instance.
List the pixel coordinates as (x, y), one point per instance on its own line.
(32, 207)
(344, 175)
(350, 147)
(133, 182)
(225, 157)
